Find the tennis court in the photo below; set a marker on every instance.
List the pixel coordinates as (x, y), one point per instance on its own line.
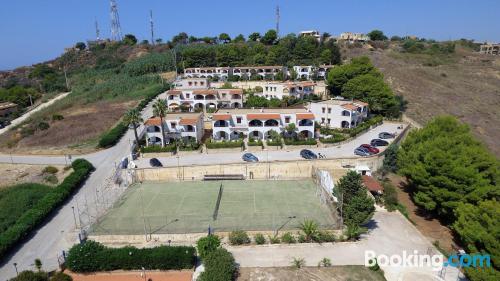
(191, 207)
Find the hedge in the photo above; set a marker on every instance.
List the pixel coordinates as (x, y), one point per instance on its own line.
(300, 142)
(252, 142)
(92, 256)
(223, 144)
(33, 217)
(158, 148)
(365, 125)
(219, 266)
(334, 139)
(114, 135)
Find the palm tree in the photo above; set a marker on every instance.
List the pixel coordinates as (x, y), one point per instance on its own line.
(133, 118)
(160, 110)
(310, 229)
(38, 265)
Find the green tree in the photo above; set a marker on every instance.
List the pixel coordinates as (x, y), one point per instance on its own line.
(254, 36)
(31, 276)
(359, 210)
(377, 35)
(290, 129)
(129, 39)
(239, 39)
(310, 229)
(80, 46)
(396, 38)
(160, 110)
(348, 186)
(133, 118)
(338, 76)
(445, 166)
(38, 265)
(225, 38)
(207, 245)
(181, 38)
(270, 37)
(219, 266)
(391, 158)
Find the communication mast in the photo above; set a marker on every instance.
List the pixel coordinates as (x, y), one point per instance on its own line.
(152, 29)
(97, 31)
(116, 32)
(278, 20)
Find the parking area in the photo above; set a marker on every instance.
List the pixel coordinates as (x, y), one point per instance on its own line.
(340, 151)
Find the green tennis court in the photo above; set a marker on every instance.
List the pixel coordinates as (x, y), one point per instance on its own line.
(190, 207)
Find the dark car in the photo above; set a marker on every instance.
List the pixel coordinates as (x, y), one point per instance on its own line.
(371, 149)
(386, 135)
(155, 162)
(249, 157)
(124, 163)
(307, 154)
(361, 151)
(379, 142)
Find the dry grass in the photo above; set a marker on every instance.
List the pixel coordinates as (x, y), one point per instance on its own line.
(334, 273)
(12, 174)
(466, 85)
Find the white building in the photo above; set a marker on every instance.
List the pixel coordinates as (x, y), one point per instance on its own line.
(311, 33)
(279, 90)
(243, 72)
(353, 37)
(195, 94)
(339, 113)
(185, 126)
(228, 124)
(308, 72)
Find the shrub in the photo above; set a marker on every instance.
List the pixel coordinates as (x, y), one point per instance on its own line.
(375, 266)
(301, 238)
(324, 236)
(157, 148)
(42, 125)
(92, 256)
(300, 142)
(53, 199)
(207, 244)
(57, 117)
(61, 276)
(253, 142)
(50, 170)
(238, 237)
(288, 238)
(112, 136)
(259, 239)
(274, 239)
(219, 266)
(325, 262)
(298, 263)
(223, 144)
(51, 178)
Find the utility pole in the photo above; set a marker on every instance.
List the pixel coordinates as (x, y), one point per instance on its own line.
(152, 27)
(97, 31)
(278, 21)
(116, 31)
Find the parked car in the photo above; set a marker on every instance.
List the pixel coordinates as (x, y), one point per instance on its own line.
(124, 163)
(155, 162)
(386, 135)
(371, 149)
(307, 154)
(361, 151)
(249, 157)
(379, 142)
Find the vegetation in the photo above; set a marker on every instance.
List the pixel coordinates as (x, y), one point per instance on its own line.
(150, 63)
(253, 142)
(377, 35)
(289, 141)
(158, 149)
(219, 266)
(288, 238)
(310, 230)
(29, 275)
(32, 217)
(325, 262)
(238, 237)
(259, 239)
(391, 157)
(207, 245)
(91, 256)
(133, 118)
(223, 144)
(298, 263)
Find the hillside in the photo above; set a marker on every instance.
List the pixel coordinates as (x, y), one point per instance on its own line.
(464, 84)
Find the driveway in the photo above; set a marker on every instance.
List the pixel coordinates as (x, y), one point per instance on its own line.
(390, 233)
(341, 151)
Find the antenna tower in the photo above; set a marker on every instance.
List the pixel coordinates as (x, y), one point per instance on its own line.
(116, 32)
(97, 31)
(152, 29)
(278, 20)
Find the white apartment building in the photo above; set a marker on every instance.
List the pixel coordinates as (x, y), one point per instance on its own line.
(311, 33)
(185, 126)
(195, 94)
(339, 113)
(287, 89)
(353, 37)
(228, 124)
(244, 72)
(307, 72)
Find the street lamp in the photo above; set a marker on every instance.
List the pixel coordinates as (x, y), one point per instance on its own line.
(15, 266)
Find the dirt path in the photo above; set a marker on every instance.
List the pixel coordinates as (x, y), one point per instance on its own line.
(134, 276)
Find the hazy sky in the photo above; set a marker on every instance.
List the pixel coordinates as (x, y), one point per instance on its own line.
(34, 31)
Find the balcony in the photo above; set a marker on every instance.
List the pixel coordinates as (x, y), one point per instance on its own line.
(221, 124)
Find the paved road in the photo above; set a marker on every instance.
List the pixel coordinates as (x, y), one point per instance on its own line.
(341, 151)
(59, 233)
(25, 116)
(390, 234)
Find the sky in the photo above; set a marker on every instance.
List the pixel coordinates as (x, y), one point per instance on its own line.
(34, 31)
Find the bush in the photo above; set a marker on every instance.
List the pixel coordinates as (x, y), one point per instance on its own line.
(61, 276)
(253, 142)
(207, 244)
(50, 170)
(51, 178)
(92, 256)
(288, 238)
(157, 148)
(324, 236)
(219, 266)
(57, 117)
(334, 139)
(238, 237)
(259, 239)
(42, 125)
(301, 238)
(34, 216)
(112, 136)
(300, 142)
(274, 239)
(223, 144)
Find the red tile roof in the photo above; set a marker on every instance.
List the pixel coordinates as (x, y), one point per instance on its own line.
(188, 121)
(155, 121)
(263, 116)
(217, 117)
(360, 103)
(174, 92)
(301, 116)
(372, 184)
(350, 106)
(205, 92)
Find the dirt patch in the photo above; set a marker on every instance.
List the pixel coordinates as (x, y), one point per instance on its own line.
(12, 174)
(77, 133)
(335, 273)
(134, 276)
(466, 85)
(431, 228)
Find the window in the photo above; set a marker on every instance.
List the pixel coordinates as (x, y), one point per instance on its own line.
(238, 120)
(223, 95)
(202, 83)
(322, 120)
(329, 121)
(190, 83)
(187, 96)
(173, 124)
(322, 110)
(329, 110)
(196, 83)
(287, 119)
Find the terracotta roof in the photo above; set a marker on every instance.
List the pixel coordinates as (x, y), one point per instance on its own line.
(306, 84)
(155, 121)
(263, 116)
(301, 116)
(372, 184)
(174, 92)
(232, 91)
(205, 92)
(350, 106)
(188, 121)
(360, 103)
(217, 117)
(5, 105)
